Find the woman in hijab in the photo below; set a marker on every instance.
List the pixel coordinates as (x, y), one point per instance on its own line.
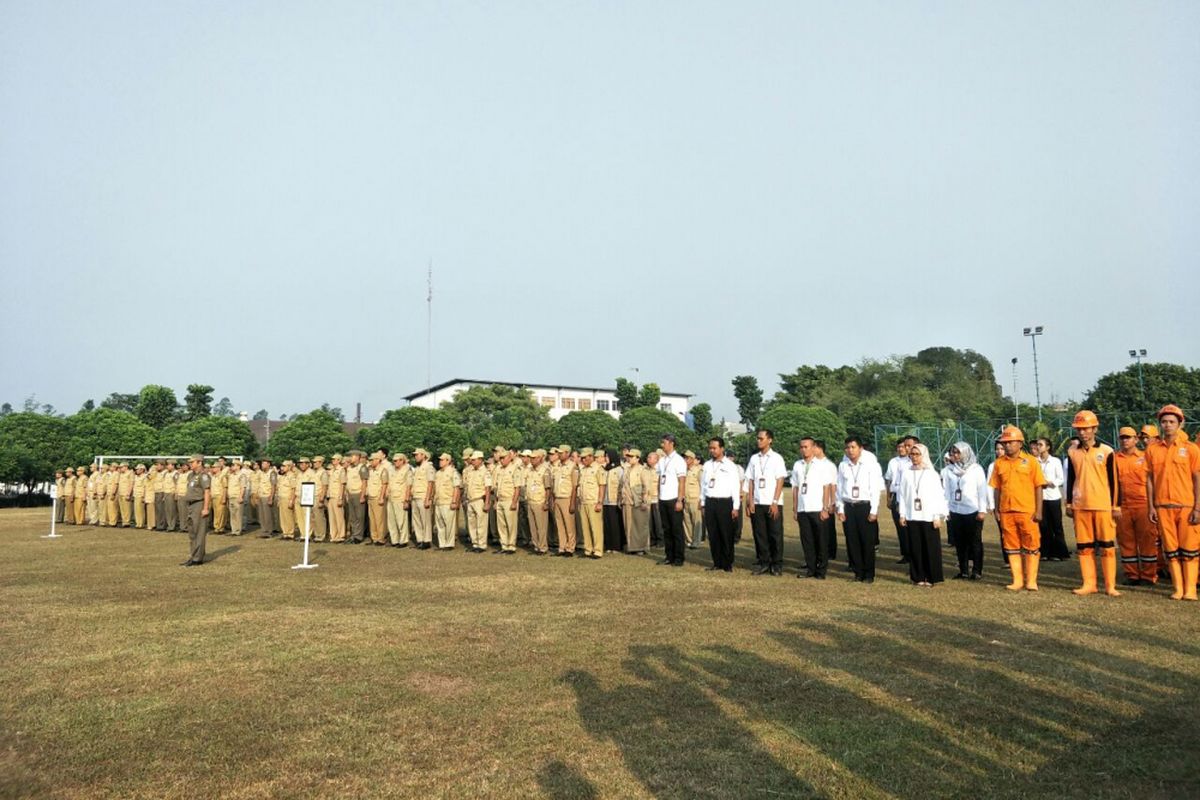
(969, 500)
(923, 508)
(614, 520)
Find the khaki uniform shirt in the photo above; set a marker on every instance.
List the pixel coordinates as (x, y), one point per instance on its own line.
(506, 483)
(336, 488)
(445, 481)
(219, 483)
(356, 479)
(537, 483)
(181, 483)
(399, 483)
(377, 479)
(563, 477)
(590, 480)
(691, 484)
(139, 486)
(476, 481)
(195, 485)
(422, 475)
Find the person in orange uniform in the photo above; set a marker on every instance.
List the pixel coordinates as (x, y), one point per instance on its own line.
(1173, 486)
(1136, 536)
(1017, 481)
(1093, 501)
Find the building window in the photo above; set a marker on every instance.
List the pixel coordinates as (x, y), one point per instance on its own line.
(602, 405)
(585, 405)
(548, 402)
(568, 403)
(665, 406)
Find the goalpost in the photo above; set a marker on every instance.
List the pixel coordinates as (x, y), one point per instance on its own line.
(99, 460)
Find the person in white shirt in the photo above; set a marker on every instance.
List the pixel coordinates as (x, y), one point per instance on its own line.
(895, 471)
(672, 473)
(969, 500)
(1054, 542)
(923, 510)
(814, 482)
(829, 524)
(764, 505)
(859, 486)
(720, 503)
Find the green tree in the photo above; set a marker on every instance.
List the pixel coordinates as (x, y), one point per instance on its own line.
(586, 429)
(157, 406)
(499, 414)
(790, 423)
(749, 397)
(88, 405)
(120, 402)
(1121, 393)
(32, 447)
(107, 431)
(315, 433)
(406, 429)
(702, 419)
(334, 410)
(883, 409)
(223, 408)
(197, 402)
(627, 394)
(7, 409)
(644, 428)
(649, 395)
(260, 415)
(212, 436)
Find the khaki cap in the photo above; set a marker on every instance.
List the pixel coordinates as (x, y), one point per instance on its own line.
(587, 451)
(287, 462)
(401, 456)
(445, 456)
(564, 448)
(420, 451)
(526, 453)
(305, 460)
(499, 449)
(318, 459)
(688, 454)
(635, 452)
(476, 454)
(466, 453)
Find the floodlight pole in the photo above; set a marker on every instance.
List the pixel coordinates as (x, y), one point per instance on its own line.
(1138, 355)
(1016, 405)
(1033, 333)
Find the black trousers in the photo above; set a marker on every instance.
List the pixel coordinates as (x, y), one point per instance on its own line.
(768, 536)
(614, 529)
(925, 559)
(814, 538)
(861, 535)
(720, 526)
(831, 536)
(672, 530)
(1054, 541)
(656, 525)
(967, 534)
(901, 533)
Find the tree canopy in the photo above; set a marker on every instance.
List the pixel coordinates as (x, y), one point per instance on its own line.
(315, 433)
(157, 406)
(212, 436)
(499, 415)
(586, 429)
(790, 422)
(32, 446)
(197, 402)
(644, 428)
(406, 429)
(106, 431)
(1119, 392)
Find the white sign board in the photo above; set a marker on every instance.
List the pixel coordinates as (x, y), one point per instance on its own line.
(308, 494)
(54, 492)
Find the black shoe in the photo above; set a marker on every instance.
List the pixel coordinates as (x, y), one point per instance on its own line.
(976, 576)
(820, 576)
(760, 569)
(676, 563)
(713, 568)
(777, 571)
(962, 576)
(187, 563)
(902, 560)
(569, 554)
(508, 552)
(666, 562)
(729, 569)
(198, 563)
(868, 580)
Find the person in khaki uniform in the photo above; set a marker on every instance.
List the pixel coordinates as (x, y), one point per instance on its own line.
(302, 474)
(219, 479)
(164, 486)
(521, 462)
(139, 496)
(182, 477)
(92, 495)
(66, 496)
(336, 499)
(285, 499)
(420, 499)
(592, 486)
(477, 488)
(81, 482)
(537, 502)
(320, 528)
(60, 478)
(102, 486)
(460, 517)
(111, 496)
(356, 496)
(493, 468)
(399, 487)
(507, 502)
(643, 494)
(124, 496)
(693, 519)
(149, 499)
(447, 492)
(268, 481)
(198, 497)
(377, 491)
(237, 494)
(565, 482)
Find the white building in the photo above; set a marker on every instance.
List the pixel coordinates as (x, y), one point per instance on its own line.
(559, 400)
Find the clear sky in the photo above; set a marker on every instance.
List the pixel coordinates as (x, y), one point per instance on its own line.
(247, 194)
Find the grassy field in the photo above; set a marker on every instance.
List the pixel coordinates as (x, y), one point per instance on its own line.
(391, 673)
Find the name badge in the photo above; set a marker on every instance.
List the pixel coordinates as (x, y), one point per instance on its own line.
(957, 495)
(916, 504)
(662, 478)
(762, 483)
(804, 488)
(712, 482)
(854, 492)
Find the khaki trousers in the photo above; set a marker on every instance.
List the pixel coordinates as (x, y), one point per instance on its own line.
(151, 516)
(68, 509)
(443, 520)
(377, 512)
(287, 519)
(354, 517)
(592, 522)
(236, 525)
(220, 506)
(197, 528)
(693, 522)
(93, 511)
(539, 525)
(80, 510)
(139, 512)
(181, 513)
(110, 511)
(477, 523)
(422, 521)
(320, 528)
(337, 520)
(397, 521)
(301, 513)
(506, 524)
(125, 506)
(564, 522)
(266, 516)
(160, 511)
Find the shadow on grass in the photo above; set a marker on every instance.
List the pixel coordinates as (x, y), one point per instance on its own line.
(907, 702)
(224, 551)
(563, 782)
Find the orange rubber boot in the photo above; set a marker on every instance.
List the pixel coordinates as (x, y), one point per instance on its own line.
(1176, 578)
(1018, 574)
(1108, 563)
(1087, 566)
(1190, 569)
(1032, 562)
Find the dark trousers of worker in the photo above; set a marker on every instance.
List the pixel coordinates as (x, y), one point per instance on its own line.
(160, 511)
(266, 517)
(197, 528)
(170, 510)
(181, 513)
(356, 518)
(966, 531)
(925, 552)
(768, 536)
(656, 526)
(901, 533)
(720, 526)
(860, 540)
(1054, 541)
(672, 530)
(814, 539)
(831, 537)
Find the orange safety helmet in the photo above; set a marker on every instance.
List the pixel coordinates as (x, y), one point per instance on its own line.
(1171, 408)
(1011, 434)
(1085, 419)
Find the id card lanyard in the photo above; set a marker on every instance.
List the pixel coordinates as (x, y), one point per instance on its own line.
(854, 477)
(917, 491)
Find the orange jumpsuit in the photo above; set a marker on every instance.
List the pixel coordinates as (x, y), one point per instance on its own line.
(1172, 467)
(1018, 478)
(1093, 495)
(1136, 535)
